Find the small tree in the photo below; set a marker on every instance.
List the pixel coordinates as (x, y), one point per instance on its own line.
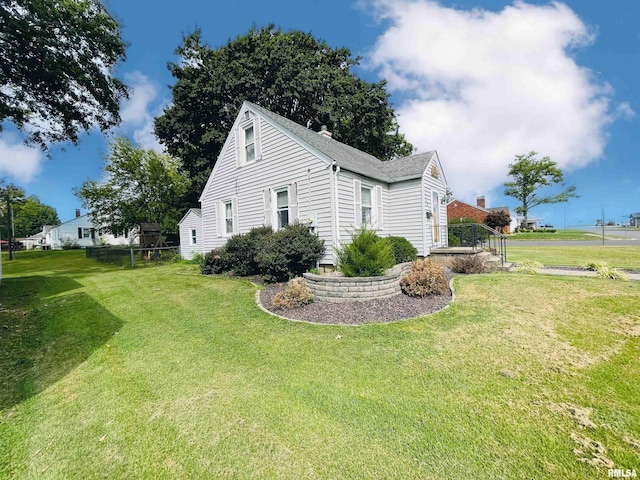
(10, 196)
(498, 220)
(529, 175)
(140, 186)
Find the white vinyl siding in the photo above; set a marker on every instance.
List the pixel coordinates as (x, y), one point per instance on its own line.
(431, 185)
(192, 222)
(404, 216)
(283, 164)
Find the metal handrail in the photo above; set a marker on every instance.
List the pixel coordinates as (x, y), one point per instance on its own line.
(480, 236)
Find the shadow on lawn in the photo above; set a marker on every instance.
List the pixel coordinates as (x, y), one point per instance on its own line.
(46, 331)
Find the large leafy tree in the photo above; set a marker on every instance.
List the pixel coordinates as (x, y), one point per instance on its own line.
(141, 186)
(530, 174)
(288, 72)
(56, 63)
(30, 215)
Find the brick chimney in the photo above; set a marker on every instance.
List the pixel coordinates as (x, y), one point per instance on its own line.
(480, 202)
(77, 212)
(324, 132)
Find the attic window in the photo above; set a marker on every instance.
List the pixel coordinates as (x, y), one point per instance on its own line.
(249, 143)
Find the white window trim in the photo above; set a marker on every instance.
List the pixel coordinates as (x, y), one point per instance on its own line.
(194, 236)
(221, 222)
(376, 204)
(241, 147)
(277, 210)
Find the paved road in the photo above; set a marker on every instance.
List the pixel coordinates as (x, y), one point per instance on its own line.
(573, 243)
(625, 237)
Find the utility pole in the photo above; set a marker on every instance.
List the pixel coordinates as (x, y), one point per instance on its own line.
(11, 229)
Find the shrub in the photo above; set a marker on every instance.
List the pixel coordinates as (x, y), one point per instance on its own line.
(497, 220)
(425, 277)
(529, 266)
(366, 256)
(296, 294)
(453, 240)
(403, 250)
(467, 231)
(289, 253)
(604, 270)
(69, 243)
(197, 258)
(468, 264)
(214, 262)
(242, 249)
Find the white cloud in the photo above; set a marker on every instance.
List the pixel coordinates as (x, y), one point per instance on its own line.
(482, 86)
(625, 111)
(139, 110)
(17, 160)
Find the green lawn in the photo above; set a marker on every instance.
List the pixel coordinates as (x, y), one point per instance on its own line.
(558, 235)
(620, 257)
(108, 372)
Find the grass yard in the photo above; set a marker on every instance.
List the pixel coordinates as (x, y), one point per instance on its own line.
(619, 257)
(162, 373)
(561, 235)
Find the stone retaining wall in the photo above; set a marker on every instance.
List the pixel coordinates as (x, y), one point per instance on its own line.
(347, 289)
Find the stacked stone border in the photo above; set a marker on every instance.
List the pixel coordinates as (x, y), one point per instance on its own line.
(348, 289)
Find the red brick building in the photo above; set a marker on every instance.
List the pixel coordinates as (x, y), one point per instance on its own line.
(457, 209)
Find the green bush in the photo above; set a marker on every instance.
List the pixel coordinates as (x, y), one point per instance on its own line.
(242, 249)
(214, 262)
(366, 256)
(425, 277)
(69, 243)
(403, 250)
(467, 232)
(288, 253)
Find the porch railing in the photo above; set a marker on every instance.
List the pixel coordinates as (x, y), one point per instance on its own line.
(474, 235)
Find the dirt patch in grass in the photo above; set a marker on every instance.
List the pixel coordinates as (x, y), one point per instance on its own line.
(591, 452)
(358, 312)
(579, 414)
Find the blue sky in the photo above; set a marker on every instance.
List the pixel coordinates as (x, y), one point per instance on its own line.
(478, 80)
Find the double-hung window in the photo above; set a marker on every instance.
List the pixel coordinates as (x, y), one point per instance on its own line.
(194, 237)
(282, 210)
(249, 144)
(365, 194)
(228, 218)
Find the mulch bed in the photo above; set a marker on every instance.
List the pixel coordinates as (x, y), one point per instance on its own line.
(357, 313)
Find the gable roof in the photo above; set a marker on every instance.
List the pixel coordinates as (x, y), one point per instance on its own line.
(350, 158)
(196, 211)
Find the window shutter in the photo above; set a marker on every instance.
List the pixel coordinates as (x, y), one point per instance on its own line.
(256, 138)
(234, 210)
(267, 206)
(79, 232)
(93, 234)
(378, 206)
(220, 219)
(239, 146)
(293, 202)
(357, 202)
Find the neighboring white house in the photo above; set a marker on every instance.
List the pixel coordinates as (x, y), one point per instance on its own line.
(191, 233)
(83, 232)
(272, 171)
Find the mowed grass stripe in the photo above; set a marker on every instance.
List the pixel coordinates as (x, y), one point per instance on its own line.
(178, 376)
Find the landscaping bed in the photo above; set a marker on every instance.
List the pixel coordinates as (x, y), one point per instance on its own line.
(381, 310)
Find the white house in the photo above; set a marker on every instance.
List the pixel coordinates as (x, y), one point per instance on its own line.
(191, 233)
(272, 171)
(82, 231)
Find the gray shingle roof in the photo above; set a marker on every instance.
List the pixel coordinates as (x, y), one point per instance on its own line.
(350, 158)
